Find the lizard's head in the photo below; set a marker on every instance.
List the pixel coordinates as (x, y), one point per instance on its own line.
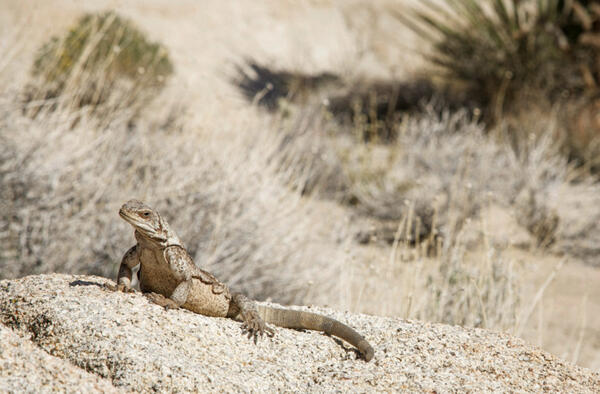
(145, 220)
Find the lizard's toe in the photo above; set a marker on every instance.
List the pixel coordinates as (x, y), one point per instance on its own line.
(120, 287)
(126, 289)
(249, 330)
(254, 327)
(152, 297)
(270, 332)
(161, 300)
(170, 304)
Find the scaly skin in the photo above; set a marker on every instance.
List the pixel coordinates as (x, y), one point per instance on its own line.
(169, 277)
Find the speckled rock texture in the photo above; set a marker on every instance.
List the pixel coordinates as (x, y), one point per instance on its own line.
(24, 368)
(68, 333)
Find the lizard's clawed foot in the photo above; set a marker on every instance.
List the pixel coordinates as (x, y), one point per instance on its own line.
(254, 326)
(121, 287)
(161, 300)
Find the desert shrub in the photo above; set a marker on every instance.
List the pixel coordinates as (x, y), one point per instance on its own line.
(537, 218)
(103, 61)
(452, 166)
(453, 280)
(440, 161)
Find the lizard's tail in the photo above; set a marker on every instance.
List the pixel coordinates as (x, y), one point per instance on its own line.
(311, 321)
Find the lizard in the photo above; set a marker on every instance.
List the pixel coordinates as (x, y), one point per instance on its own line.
(169, 277)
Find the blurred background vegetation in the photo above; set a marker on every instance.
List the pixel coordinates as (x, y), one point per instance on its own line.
(434, 160)
(511, 55)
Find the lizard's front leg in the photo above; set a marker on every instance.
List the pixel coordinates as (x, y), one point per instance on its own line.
(183, 268)
(244, 309)
(177, 299)
(130, 260)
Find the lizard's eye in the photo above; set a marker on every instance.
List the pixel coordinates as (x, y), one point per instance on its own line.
(146, 214)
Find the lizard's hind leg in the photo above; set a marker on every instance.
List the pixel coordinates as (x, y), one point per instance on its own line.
(243, 309)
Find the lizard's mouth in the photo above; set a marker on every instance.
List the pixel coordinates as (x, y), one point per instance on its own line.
(124, 215)
(140, 226)
(130, 219)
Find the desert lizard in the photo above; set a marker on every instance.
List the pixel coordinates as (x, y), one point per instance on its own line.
(169, 277)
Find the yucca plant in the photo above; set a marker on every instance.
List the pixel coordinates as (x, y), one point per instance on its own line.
(499, 47)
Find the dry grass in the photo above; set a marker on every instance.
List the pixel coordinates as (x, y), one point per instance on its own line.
(435, 188)
(229, 203)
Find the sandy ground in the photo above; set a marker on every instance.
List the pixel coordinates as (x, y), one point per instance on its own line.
(568, 320)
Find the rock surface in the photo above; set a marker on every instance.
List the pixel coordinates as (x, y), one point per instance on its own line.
(24, 367)
(63, 332)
